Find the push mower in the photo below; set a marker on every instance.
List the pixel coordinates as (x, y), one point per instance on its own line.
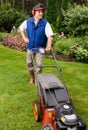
(54, 108)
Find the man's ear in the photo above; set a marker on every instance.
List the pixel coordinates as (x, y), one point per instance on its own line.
(33, 12)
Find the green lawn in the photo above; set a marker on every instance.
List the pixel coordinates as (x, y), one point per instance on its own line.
(16, 95)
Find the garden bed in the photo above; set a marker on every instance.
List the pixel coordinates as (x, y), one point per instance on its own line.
(62, 57)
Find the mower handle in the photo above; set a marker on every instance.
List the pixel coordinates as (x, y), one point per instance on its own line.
(37, 50)
(41, 50)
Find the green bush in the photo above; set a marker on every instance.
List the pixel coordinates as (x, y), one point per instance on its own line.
(0, 36)
(73, 47)
(85, 38)
(76, 20)
(80, 51)
(3, 35)
(62, 45)
(10, 17)
(81, 54)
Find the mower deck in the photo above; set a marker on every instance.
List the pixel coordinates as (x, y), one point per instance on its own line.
(51, 88)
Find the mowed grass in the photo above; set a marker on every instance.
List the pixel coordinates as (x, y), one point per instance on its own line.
(16, 95)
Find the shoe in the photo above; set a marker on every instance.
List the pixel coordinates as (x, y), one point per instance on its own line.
(32, 77)
(31, 81)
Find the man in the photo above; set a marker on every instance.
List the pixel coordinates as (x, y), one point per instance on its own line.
(39, 35)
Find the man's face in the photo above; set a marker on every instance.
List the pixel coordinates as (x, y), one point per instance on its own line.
(39, 14)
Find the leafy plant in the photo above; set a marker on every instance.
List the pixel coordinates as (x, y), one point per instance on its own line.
(80, 51)
(63, 45)
(10, 17)
(81, 54)
(76, 20)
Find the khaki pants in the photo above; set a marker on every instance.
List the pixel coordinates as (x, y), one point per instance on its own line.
(39, 60)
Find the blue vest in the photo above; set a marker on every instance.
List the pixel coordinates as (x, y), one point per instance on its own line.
(36, 33)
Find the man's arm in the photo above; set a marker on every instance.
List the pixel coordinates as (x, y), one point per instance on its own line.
(49, 43)
(24, 37)
(49, 34)
(22, 29)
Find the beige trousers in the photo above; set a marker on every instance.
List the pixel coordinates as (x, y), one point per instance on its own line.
(38, 58)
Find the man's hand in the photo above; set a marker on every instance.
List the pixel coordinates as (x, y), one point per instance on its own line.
(48, 48)
(25, 39)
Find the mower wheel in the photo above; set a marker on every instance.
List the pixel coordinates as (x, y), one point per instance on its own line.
(37, 111)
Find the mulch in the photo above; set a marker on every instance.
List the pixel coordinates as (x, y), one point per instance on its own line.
(62, 57)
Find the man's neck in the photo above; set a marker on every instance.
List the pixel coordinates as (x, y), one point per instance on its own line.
(36, 19)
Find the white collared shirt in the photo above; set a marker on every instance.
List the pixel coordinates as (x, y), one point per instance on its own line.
(48, 29)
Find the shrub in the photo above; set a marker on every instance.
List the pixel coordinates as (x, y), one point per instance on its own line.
(80, 51)
(81, 54)
(3, 35)
(10, 17)
(74, 47)
(14, 42)
(0, 36)
(76, 20)
(62, 45)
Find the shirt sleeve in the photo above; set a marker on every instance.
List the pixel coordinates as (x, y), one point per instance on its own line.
(23, 26)
(48, 30)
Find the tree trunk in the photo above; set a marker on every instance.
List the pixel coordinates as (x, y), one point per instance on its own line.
(23, 3)
(1, 2)
(13, 3)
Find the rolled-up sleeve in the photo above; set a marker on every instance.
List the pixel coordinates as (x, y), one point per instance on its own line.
(23, 26)
(48, 30)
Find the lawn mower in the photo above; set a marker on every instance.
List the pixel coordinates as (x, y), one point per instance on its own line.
(54, 108)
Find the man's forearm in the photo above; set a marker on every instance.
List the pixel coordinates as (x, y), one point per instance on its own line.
(49, 43)
(24, 37)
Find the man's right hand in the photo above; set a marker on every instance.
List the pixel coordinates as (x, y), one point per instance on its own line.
(24, 37)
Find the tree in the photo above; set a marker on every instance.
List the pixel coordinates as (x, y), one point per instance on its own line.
(64, 6)
(52, 11)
